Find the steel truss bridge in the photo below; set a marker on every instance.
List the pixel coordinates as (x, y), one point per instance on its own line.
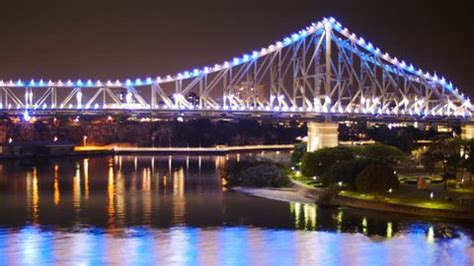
(323, 70)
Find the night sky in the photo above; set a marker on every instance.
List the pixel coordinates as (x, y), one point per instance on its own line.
(121, 39)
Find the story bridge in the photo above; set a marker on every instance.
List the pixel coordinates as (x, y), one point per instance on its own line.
(323, 73)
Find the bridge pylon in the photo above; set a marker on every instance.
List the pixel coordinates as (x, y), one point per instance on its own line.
(322, 135)
(467, 131)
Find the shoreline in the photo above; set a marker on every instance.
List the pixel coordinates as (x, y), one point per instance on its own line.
(99, 151)
(278, 194)
(305, 195)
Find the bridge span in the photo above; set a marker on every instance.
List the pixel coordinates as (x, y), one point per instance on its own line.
(323, 73)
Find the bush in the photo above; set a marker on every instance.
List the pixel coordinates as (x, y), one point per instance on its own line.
(257, 174)
(318, 162)
(345, 171)
(377, 178)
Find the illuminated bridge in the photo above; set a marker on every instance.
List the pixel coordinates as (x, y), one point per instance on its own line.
(323, 72)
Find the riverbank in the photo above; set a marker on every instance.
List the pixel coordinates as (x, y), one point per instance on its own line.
(280, 194)
(304, 194)
(182, 150)
(117, 150)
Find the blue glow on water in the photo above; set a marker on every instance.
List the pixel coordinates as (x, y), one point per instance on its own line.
(234, 246)
(137, 245)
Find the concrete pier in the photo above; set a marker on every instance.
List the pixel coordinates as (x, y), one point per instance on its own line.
(322, 135)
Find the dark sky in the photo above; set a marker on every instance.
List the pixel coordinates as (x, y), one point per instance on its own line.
(121, 39)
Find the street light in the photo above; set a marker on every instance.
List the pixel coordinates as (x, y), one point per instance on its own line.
(84, 140)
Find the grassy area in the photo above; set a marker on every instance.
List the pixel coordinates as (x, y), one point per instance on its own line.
(304, 181)
(408, 195)
(407, 201)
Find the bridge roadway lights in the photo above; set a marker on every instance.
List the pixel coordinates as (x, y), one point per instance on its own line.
(322, 135)
(467, 131)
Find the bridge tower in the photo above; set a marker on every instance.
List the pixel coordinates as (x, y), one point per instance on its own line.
(467, 131)
(322, 135)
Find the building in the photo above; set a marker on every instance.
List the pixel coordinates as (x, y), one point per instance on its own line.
(250, 94)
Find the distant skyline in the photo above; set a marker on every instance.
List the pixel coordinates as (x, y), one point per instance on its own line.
(127, 39)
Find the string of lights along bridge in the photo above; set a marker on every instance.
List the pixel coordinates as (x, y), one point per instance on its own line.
(323, 70)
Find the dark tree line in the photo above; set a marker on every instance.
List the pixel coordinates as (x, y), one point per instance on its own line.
(193, 133)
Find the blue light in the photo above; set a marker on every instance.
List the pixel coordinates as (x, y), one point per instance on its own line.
(128, 82)
(79, 83)
(149, 80)
(370, 47)
(295, 37)
(186, 74)
(254, 54)
(32, 83)
(196, 72)
(236, 61)
(287, 41)
(245, 58)
(138, 82)
(89, 82)
(19, 82)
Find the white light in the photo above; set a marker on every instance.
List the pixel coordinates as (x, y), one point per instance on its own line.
(26, 116)
(79, 99)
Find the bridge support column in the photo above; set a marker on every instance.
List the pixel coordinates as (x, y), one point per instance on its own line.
(322, 135)
(467, 131)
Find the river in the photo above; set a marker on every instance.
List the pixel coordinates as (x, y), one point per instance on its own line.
(174, 210)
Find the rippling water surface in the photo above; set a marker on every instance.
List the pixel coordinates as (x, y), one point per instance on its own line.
(174, 210)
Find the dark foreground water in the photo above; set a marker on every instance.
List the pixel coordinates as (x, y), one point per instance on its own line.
(173, 210)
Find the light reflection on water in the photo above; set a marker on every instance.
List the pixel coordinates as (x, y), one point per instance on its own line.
(173, 210)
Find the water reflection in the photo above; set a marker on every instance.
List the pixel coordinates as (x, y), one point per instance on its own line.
(223, 246)
(172, 209)
(56, 193)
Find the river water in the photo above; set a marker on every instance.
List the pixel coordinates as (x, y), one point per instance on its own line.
(174, 210)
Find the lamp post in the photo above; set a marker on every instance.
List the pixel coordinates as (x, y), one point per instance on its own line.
(84, 139)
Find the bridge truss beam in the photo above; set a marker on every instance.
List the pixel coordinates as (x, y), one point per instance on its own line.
(320, 71)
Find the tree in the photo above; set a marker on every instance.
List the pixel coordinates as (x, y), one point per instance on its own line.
(346, 172)
(298, 153)
(377, 178)
(468, 161)
(265, 175)
(256, 174)
(318, 162)
(444, 151)
(382, 153)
